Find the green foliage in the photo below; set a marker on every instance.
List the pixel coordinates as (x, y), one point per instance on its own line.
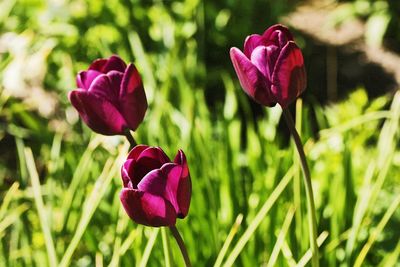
(59, 183)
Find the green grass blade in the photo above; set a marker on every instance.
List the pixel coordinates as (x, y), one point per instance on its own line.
(331, 246)
(166, 247)
(281, 237)
(378, 167)
(149, 247)
(12, 217)
(83, 165)
(374, 235)
(91, 204)
(129, 240)
(392, 258)
(259, 217)
(287, 253)
(307, 256)
(99, 259)
(121, 225)
(43, 218)
(365, 118)
(12, 191)
(228, 240)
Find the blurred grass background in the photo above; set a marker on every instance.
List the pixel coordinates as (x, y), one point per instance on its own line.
(59, 182)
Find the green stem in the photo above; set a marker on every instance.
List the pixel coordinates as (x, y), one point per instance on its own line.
(181, 245)
(312, 221)
(130, 138)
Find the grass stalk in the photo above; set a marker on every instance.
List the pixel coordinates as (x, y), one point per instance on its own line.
(149, 247)
(228, 240)
(281, 237)
(259, 218)
(378, 230)
(43, 218)
(166, 248)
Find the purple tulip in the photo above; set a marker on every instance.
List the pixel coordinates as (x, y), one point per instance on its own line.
(156, 191)
(271, 68)
(110, 97)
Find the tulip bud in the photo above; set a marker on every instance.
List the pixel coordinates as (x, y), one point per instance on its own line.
(156, 191)
(110, 97)
(271, 67)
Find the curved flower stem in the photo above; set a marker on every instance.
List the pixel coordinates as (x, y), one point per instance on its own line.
(312, 221)
(130, 138)
(181, 245)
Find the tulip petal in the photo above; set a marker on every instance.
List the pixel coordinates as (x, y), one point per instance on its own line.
(135, 152)
(139, 163)
(153, 182)
(149, 159)
(173, 183)
(180, 159)
(132, 98)
(153, 155)
(278, 34)
(251, 42)
(98, 113)
(184, 189)
(264, 58)
(131, 82)
(254, 83)
(145, 208)
(127, 170)
(85, 78)
(125, 173)
(105, 65)
(173, 172)
(115, 78)
(107, 86)
(289, 76)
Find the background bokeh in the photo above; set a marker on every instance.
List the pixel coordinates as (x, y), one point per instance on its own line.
(59, 182)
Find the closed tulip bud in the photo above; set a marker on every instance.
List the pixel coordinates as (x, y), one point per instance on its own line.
(110, 97)
(156, 191)
(271, 67)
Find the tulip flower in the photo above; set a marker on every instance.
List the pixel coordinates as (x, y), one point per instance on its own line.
(110, 97)
(271, 70)
(271, 67)
(156, 191)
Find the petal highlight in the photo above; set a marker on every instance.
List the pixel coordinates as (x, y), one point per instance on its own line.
(251, 42)
(154, 183)
(264, 58)
(251, 79)
(85, 78)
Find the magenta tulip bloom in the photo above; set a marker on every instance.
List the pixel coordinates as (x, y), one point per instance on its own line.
(110, 97)
(156, 191)
(271, 67)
